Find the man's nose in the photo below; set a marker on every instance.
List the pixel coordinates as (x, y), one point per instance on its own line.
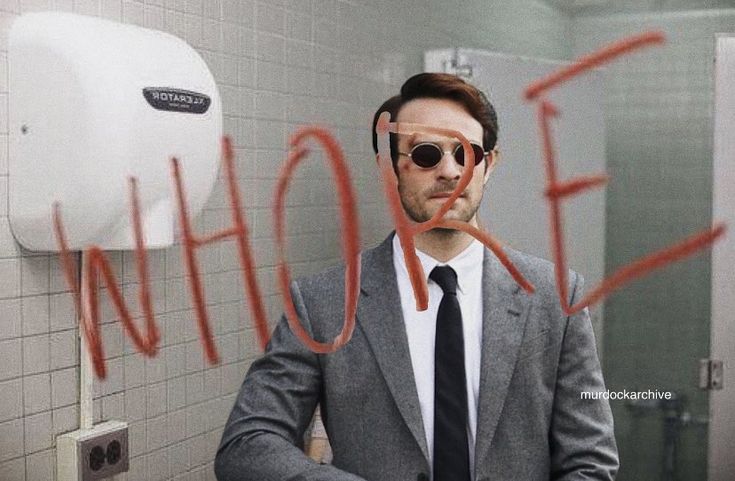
(448, 167)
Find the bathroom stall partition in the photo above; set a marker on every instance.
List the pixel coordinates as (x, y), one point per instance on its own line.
(686, 438)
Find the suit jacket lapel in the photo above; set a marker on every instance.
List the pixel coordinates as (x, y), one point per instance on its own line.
(505, 309)
(380, 317)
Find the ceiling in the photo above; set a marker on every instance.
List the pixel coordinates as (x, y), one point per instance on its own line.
(597, 7)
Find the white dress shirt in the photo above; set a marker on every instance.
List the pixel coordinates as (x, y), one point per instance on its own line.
(421, 331)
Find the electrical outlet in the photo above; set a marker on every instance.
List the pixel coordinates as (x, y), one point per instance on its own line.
(92, 454)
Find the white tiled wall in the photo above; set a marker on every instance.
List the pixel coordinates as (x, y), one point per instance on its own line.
(278, 64)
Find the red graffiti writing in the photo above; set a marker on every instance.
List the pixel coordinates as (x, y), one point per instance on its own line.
(406, 229)
(557, 190)
(350, 236)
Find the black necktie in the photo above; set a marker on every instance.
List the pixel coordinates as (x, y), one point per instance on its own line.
(451, 452)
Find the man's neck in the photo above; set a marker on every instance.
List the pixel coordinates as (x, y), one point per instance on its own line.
(443, 244)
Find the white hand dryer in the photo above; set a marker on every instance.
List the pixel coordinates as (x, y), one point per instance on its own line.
(92, 102)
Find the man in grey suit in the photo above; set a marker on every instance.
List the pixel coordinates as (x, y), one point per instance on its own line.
(483, 385)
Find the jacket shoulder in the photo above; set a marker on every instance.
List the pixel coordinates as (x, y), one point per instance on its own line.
(324, 280)
(542, 274)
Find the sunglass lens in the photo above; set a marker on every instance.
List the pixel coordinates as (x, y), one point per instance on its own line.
(479, 154)
(426, 155)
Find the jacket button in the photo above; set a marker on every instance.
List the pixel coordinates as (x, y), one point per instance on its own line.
(422, 477)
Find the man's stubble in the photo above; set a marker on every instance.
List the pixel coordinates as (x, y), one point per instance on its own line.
(419, 213)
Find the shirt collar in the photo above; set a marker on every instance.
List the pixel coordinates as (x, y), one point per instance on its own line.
(463, 263)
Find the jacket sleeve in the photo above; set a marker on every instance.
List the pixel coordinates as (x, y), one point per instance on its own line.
(264, 433)
(581, 436)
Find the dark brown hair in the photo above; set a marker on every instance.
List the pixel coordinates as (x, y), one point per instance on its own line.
(441, 86)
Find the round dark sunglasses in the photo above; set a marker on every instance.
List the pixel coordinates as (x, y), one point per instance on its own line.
(429, 154)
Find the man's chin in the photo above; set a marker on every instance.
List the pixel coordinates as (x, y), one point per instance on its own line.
(453, 214)
(425, 215)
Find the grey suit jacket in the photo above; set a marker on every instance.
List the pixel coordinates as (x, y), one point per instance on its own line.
(532, 422)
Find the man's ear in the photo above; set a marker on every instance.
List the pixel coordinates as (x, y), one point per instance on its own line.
(490, 161)
(395, 165)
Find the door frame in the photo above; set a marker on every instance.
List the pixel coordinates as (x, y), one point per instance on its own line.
(721, 462)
